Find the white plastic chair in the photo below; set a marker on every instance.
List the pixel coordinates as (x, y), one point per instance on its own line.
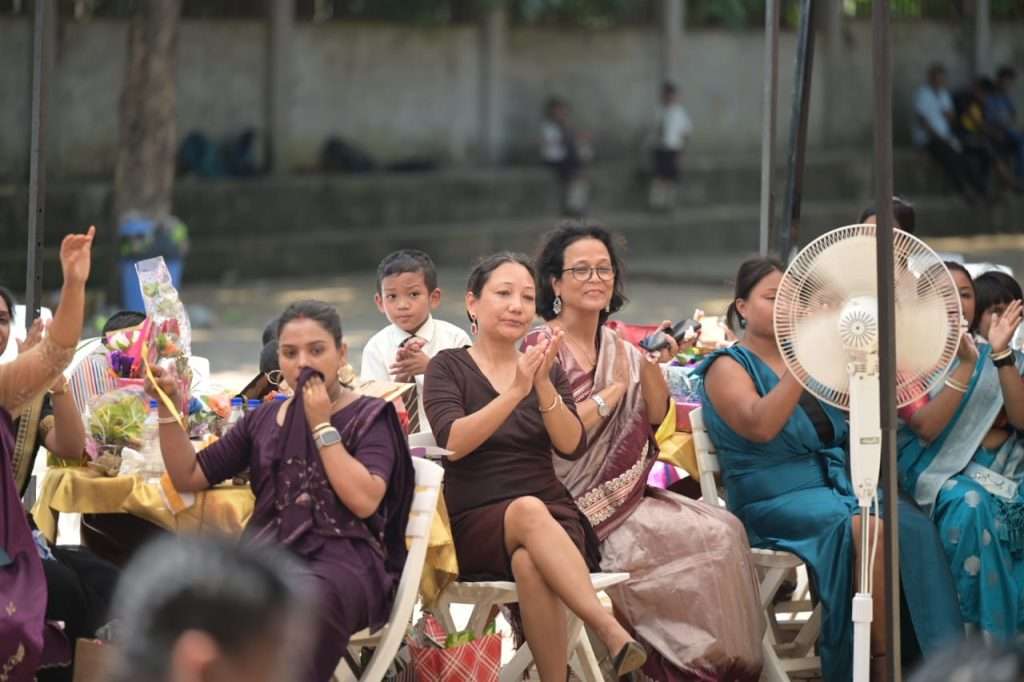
(780, 658)
(387, 640)
(484, 596)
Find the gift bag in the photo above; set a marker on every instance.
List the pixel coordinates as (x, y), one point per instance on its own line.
(459, 657)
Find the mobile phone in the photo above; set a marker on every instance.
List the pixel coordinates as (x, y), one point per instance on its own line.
(680, 331)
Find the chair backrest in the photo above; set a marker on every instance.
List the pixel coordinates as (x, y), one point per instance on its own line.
(89, 373)
(423, 444)
(417, 534)
(707, 458)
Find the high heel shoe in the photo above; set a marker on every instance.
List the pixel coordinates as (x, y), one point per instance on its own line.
(630, 657)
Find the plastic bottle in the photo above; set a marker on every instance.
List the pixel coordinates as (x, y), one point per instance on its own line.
(237, 412)
(253, 404)
(150, 451)
(280, 398)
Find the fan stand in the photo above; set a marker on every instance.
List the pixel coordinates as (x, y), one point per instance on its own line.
(865, 465)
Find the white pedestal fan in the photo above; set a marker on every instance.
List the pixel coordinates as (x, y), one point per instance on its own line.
(826, 325)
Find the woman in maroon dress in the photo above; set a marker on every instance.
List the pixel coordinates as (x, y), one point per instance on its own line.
(502, 413)
(332, 476)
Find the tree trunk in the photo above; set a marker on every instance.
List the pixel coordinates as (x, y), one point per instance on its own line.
(144, 175)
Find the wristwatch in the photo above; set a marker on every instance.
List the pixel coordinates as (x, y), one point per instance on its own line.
(325, 437)
(603, 408)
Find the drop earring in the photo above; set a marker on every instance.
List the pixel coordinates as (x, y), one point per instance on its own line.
(556, 306)
(474, 329)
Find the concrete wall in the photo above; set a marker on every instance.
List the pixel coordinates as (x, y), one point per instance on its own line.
(401, 91)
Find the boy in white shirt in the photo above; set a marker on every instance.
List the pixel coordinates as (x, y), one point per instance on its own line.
(673, 128)
(407, 292)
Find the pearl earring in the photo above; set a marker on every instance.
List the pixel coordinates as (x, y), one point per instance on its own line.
(556, 306)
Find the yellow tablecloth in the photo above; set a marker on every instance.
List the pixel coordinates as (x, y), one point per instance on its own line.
(679, 451)
(225, 509)
(676, 447)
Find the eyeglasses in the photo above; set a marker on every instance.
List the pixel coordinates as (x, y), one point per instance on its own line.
(584, 273)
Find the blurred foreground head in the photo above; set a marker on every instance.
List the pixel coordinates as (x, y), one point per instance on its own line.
(975, 661)
(199, 609)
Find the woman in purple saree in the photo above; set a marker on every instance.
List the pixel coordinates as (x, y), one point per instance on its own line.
(23, 594)
(692, 596)
(332, 476)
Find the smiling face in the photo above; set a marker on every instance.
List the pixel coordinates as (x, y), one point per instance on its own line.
(758, 309)
(966, 290)
(507, 303)
(405, 300)
(306, 343)
(588, 280)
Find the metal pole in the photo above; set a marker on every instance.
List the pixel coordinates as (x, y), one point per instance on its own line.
(771, 87)
(881, 58)
(982, 37)
(37, 161)
(790, 233)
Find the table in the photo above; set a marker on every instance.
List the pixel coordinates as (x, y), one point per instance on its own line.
(224, 509)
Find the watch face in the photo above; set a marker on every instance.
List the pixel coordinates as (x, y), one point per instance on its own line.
(328, 438)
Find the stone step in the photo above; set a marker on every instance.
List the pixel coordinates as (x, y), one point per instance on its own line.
(296, 225)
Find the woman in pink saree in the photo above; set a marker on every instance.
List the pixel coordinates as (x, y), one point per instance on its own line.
(692, 598)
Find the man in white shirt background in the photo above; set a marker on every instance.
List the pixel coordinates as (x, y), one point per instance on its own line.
(673, 128)
(407, 292)
(932, 129)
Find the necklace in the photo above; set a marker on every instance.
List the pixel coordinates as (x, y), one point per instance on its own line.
(589, 356)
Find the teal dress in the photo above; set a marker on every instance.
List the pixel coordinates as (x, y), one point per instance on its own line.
(974, 497)
(794, 494)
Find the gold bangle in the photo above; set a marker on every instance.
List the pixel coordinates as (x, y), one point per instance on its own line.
(321, 426)
(1005, 353)
(950, 381)
(956, 386)
(167, 420)
(554, 404)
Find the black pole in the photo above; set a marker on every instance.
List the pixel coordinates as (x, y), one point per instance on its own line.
(789, 236)
(37, 162)
(881, 59)
(770, 99)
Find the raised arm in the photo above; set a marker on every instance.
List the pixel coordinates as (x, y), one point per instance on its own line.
(356, 486)
(179, 456)
(67, 437)
(1000, 333)
(34, 371)
(931, 420)
(756, 418)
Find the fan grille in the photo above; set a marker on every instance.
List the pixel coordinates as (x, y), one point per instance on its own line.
(840, 266)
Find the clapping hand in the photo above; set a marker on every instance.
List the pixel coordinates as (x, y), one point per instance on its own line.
(526, 368)
(543, 373)
(967, 351)
(410, 361)
(76, 257)
(1003, 326)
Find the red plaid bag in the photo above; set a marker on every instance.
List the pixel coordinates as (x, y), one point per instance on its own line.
(437, 657)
